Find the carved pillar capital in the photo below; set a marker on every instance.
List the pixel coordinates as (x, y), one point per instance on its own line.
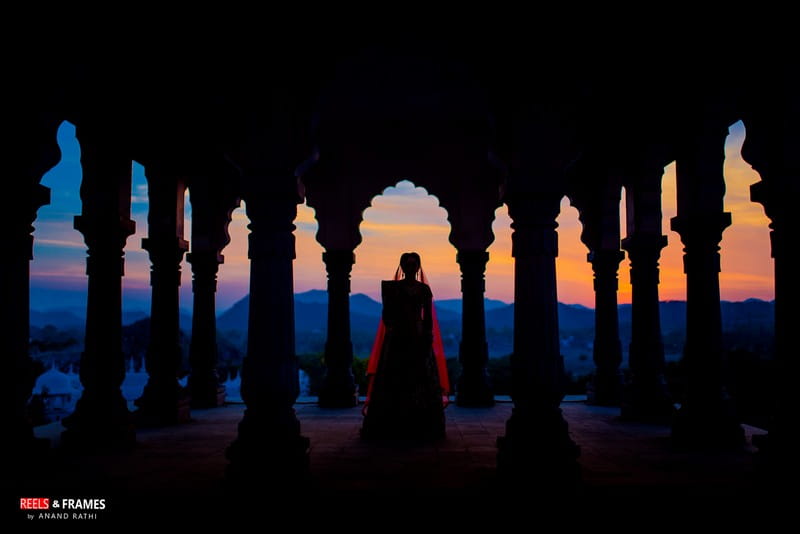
(205, 266)
(646, 244)
(605, 265)
(472, 260)
(272, 213)
(534, 208)
(701, 228)
(473, 268)
(339, 264)
(166, 254)
(777, 197)
(534, 224)
(18, 219)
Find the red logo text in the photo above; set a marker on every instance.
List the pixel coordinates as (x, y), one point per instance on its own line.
(34, 503)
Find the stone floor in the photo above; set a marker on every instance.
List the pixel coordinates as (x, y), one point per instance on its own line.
(617, 459)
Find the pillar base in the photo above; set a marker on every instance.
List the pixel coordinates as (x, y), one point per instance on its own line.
(338, 392)
(210, 395)
(29, 461)
(713, 427)
(648, 403)
(474, 391)
(162, 406)
(605, 390)
(23, 443)
(776, 458)
(269, 448)
(337, 398)
(99, 424)
(537, 449)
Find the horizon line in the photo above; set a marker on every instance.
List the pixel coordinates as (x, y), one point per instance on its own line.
(377, 301)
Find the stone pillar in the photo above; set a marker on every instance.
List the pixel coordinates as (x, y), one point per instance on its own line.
(777, 194)
(338, 389)
(597, 197)
(707, 418)
(537, 442)
(646, 396)
(101, 418)
(771, 148)
(269, 443)
(164, 401)
(473, 388)
(213, 197)
(204, 385)
(31, 151)
(607, 351)
(16, 220)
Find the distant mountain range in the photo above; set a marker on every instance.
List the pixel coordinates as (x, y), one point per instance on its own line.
(75, 318)
(576, 322)
(311, 311)
(747, 324)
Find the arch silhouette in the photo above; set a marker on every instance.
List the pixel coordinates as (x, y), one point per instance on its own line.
(403, 223)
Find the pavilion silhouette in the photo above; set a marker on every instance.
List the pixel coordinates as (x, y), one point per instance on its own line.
(335, 126)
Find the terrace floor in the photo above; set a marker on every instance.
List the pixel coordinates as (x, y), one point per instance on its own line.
(618, 459)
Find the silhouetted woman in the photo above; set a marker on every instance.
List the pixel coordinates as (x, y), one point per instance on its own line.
(408, 382)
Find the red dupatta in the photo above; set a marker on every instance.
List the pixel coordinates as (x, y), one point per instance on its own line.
(438, 352)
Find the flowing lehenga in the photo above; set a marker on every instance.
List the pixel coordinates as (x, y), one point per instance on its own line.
(408, 382)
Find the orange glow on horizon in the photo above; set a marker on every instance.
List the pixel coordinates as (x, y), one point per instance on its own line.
(404, 219)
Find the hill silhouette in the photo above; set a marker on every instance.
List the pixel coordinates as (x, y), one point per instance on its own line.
(744, 321)
(747, 325)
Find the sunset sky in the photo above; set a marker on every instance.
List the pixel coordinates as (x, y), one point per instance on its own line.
(404, 218)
